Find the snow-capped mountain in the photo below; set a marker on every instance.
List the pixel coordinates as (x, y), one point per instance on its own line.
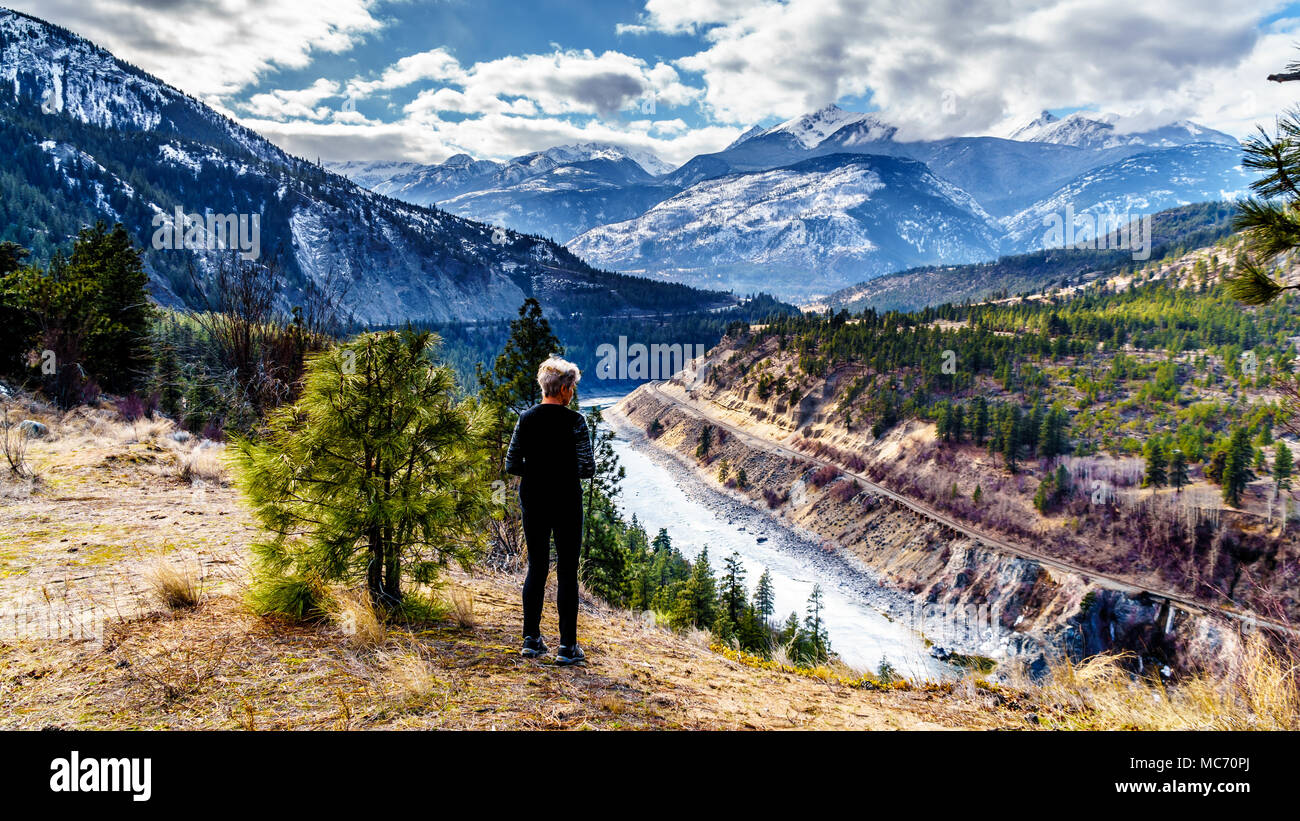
(1140, 184)
(659, 226)
(88, 137)
(811, 130)
(802, 229)
(1102, 131)
(557, 193)
(802, 207)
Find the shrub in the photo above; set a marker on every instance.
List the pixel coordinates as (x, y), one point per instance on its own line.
(845, 490)
(130, 408)
(823, 476)
(376, 472)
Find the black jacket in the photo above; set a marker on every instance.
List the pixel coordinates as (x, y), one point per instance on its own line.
(550, 448)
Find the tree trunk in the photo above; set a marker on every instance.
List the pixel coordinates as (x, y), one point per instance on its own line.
(392, 573)
(374, 577)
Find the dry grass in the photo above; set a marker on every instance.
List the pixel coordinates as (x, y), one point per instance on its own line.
(408, 675)
(203, 463)
(354, 614)
(13, 443)
(460, 604)
(1259, 692)
(176, 588)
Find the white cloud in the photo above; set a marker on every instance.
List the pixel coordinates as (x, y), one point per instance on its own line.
(498, 136)
(435, 64)
(944, 67)
(283, 104)
(212, 49)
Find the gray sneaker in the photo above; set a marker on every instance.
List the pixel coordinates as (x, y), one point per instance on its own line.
(534, 646)
(567, 656)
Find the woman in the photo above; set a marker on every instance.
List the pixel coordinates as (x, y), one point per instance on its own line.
(551, 451)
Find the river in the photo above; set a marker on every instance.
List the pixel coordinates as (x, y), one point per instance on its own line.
(662, 493)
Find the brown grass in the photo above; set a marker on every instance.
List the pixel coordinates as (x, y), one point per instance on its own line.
(460, 604)
(354, 614)
(176, 588)
(1259, 692)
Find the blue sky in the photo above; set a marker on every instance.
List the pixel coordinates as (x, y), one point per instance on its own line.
(375, 79)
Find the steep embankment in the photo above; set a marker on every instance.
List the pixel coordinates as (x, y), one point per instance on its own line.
(971, 598)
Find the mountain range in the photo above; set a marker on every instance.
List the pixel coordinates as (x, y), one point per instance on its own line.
(829, 199)
(86, 136)
(800, 209)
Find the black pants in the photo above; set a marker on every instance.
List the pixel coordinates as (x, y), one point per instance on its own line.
(546, 514)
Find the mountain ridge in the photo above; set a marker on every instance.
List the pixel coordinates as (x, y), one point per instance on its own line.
(95, 138)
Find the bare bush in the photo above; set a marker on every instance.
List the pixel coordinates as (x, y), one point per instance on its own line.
(15, 447)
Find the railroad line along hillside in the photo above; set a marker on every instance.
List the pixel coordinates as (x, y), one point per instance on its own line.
(1099, 464)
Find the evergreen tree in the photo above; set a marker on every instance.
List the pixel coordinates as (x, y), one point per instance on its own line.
(817, 641)
(117, 352)
(661, 543)
(1178, 470)
(1052, 437)
(697, 601)
(16, 322)
(704, 442)
(167, 381)
(1156, 474)
(980, 421)
(511, 387)
(765, 597)
(605, 562)
(1010, 438)
(734, 593)
(1236, 470)
(376, 472)
(1282, 465)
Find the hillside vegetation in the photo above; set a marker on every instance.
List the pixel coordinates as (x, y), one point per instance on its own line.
(1133, 425)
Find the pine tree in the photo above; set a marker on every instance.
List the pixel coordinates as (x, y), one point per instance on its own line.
(1178, 470)
(117, 351)
(1282, 465)
(1052, 437)
(16, 322)
(167, 380)
(511, 387)
(1236, 470)
(703, 442)
(734, 592)
(1156, 474)
(1010, 439)
(980, 422)
(662, 542)
(818, 643)
(765, 597)
(376, 472)
(697, 601)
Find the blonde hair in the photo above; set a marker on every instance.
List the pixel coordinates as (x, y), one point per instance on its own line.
(556, 374)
